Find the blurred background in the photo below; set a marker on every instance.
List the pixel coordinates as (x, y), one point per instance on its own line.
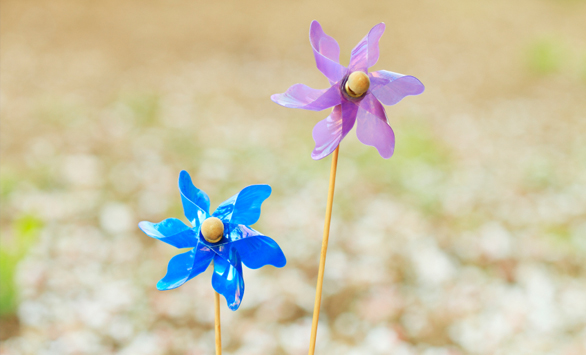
(471, 239)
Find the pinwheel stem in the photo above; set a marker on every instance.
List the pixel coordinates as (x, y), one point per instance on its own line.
(324, 249)
(217, 324)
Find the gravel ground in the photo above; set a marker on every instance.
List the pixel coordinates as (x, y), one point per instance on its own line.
(470, 240)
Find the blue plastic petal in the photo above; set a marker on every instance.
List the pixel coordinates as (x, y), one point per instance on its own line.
(171, 231)
(196, 203)
(224, 247)
(244, 207)
(227, 279)
(235, 232)
(184, 267)
(256, 250)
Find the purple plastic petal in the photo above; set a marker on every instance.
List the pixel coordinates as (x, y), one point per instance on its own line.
(196, 203)
(327, 53)
(171, 231)
(366, 52)
(328, 133)
(372, 127)
(302, 96)
(391, 88)
(325, 44)
(184, 267)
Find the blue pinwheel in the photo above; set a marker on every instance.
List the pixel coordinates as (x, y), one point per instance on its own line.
(224, 236)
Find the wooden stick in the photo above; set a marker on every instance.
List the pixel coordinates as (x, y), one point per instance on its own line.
(217, 324)
(324, 249)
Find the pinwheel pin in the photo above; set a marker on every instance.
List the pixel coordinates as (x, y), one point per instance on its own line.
(356, 96)
(223, 237)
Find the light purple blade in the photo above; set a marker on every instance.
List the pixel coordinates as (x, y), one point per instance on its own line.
(327, 53)
(302, 96)
(373, 128)
(328, 133)
(366, 52)
(391, 88)
(325, 44)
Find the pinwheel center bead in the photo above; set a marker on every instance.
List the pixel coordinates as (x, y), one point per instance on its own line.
(357, 84)
(212, 229)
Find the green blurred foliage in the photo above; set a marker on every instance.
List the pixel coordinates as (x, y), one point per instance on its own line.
(540, 174)
(52, 111)
(25, 230)
(545, 56)
(8, 182)
(416, 171)
(419, 144)
(583, 63)
(145, 108)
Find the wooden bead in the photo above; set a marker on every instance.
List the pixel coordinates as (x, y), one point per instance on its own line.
(357, 84)
(212, 229)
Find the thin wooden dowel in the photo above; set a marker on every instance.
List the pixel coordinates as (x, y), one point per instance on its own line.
(324, 249)
(217, 324)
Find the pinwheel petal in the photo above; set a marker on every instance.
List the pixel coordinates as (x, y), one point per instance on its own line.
(256, 250)
(259, 251)
(390, 88)
(227, 279)
(328, 133)
(171, 231)
(302, 96)
(372, 127)
(184, 267)
(196, 203)
(244, 207)
(327, 53)
(366, 52)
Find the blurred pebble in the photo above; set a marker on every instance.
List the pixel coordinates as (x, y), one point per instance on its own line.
(116, 218)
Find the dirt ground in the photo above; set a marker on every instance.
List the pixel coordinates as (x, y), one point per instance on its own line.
(471, 239)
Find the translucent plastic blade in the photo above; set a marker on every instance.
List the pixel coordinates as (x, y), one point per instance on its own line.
(184, 267)
(328, 133)
(366, 52)
(255, 249)
(227, 279)
(372, 127)
(171, 231)
(302, 96)
(326, 52)
(244, 207)
(196, 203)
(390, 88)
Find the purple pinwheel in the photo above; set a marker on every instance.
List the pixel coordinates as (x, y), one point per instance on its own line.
(224, 236)
(354, 93)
